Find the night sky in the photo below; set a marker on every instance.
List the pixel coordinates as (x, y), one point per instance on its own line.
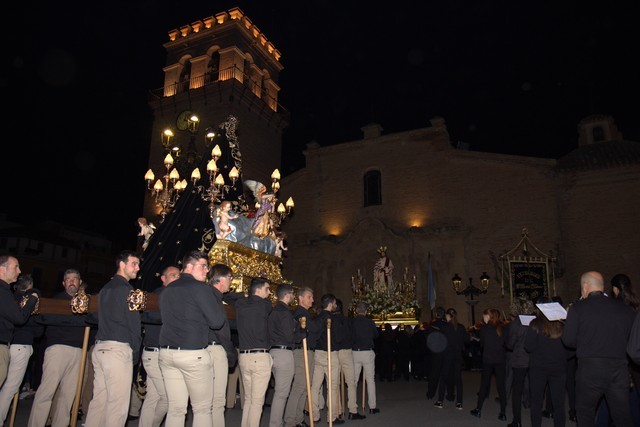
(509, 77)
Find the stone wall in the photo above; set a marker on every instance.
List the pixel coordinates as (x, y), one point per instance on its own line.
(465, 208)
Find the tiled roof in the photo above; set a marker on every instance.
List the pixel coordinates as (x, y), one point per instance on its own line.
(602, 155)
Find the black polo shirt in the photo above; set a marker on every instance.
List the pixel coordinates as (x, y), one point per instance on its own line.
(189, 309)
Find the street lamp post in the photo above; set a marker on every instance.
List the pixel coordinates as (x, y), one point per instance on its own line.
(471, 291)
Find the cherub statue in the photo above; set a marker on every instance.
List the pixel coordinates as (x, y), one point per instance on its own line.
(383, 271)
(280, 246)
(146, 231)
(223, 214)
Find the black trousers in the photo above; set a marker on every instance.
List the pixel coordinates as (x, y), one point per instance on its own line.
(435, 373)
(519, 376)
(538, 381)
(451, 380)
(488, 370)
(597, 377)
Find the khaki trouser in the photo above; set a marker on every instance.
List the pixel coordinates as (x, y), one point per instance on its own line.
(255, 371)
(320, 372)
(113, 373)
(220, 365)
(283, 370)
(60, 371)
(155, 404)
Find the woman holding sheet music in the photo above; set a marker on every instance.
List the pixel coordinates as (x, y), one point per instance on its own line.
(493, 360)
(547, 365)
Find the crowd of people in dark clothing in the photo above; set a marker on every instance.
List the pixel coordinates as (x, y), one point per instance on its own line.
(590, 359)
(539, 364)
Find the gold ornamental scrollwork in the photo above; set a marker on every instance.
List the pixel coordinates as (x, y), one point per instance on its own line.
(25, 300)
(80, 303)
(137, 300)
(246, 262)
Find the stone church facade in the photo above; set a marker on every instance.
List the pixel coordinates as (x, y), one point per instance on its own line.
(418, 195)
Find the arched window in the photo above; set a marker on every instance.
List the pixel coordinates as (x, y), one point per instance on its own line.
(372, 188)
(213, 68)
(185, 76)
(598, 134)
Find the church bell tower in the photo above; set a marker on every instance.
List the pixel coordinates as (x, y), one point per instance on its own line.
(218, 66)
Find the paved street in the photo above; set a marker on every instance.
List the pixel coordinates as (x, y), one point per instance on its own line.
(401, 403)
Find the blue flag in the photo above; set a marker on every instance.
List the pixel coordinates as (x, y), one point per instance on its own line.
(431, 286)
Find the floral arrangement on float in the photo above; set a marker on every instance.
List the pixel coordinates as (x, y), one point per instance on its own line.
(385, 298)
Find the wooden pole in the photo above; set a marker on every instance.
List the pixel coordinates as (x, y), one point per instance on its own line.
(329, 400)
(14, 408)
(342, 391)
(83, 360)
(364, 388)
(303, 324)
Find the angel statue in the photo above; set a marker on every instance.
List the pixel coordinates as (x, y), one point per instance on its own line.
(225, 230)
(263, 222)
(383, 271)
(146, 231)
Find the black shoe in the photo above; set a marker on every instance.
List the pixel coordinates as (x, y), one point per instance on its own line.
(374, 410)
(514, 424)
(338, 421)
(502, 416)
(547, 414)
(476, 412)
(356, 416)
(572, 416)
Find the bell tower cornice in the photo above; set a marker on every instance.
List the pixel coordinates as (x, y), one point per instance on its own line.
(219, 23)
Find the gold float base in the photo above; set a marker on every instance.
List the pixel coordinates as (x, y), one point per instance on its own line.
(246, 263)
(396, 319)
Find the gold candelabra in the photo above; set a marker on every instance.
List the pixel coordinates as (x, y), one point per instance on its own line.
(282, 210)
(215, 190)
(168, 189)
(166, 194)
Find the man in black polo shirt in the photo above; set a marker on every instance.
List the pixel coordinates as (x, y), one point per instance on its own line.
(64, 338)
(255, 362)
(221, 348)
(365, 333)
(155, 404)
(345, 359)
(188, 309)
(10, 312)
(282, 329)
(21, 349)
(117, 347)
(294, 415)
(321, 368)
(598, 327)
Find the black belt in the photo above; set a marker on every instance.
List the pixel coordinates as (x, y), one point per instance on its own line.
(281, 347)
(362, 349)
(215, 343)
(152, 349)
(254, 350)
(297, 347)
(4, 343)
(173, 347)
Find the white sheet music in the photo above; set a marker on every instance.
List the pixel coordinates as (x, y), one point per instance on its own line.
(553, 311)
(525, 319)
